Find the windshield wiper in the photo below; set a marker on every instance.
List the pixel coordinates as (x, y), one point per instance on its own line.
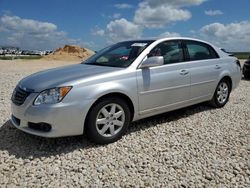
(105, 65)
(99, 64)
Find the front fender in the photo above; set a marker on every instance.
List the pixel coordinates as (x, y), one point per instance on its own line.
(125, 85)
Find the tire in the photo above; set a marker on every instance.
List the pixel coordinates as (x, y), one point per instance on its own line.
(221, 94)
(107, 120)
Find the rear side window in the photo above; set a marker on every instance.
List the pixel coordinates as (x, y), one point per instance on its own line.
(200, 51)
(170, 50)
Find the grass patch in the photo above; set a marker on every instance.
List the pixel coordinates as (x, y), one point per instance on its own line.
(241, 55)
(20, 57)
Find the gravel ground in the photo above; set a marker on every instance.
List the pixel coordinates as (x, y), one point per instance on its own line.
(193, 147)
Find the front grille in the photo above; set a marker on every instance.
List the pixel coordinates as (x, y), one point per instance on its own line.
(19, 96)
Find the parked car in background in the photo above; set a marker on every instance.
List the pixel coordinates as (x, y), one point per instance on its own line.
(124, 82)
(246, 68)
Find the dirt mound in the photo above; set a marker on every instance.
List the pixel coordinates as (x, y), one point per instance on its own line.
(69, 53)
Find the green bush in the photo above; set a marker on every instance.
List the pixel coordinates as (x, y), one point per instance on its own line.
(242, 55)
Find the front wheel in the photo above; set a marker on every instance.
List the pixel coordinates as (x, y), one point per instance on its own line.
(221, 94)
(107, 120)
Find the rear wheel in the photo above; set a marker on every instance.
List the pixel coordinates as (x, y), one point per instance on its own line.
(107, 120)
(221, 94)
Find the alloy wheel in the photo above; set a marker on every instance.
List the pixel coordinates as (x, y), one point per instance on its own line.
(110, 120)
(222, 92)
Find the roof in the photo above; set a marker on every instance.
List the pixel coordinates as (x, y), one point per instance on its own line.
(170, 38)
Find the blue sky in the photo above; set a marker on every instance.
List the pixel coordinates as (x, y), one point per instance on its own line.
(94, 24)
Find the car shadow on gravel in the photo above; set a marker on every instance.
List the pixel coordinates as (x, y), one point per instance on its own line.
(168, 117)
(23, 145)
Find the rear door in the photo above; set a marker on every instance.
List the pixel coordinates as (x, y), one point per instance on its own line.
(204, 69)
(166, 86)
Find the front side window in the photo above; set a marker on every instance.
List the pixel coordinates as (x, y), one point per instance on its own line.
(170, 50)
(200, 51)
(119, 55)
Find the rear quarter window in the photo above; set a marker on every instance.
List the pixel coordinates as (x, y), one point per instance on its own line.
(200, 51)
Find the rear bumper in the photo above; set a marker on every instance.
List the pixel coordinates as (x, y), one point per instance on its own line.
(66, 119)
(236, 78)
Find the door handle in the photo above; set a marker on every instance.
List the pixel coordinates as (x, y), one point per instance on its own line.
(184, 72)
(217, 66)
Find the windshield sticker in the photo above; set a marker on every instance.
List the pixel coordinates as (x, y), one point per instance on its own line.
(139, 44)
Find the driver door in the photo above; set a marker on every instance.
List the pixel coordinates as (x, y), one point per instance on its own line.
(165, 87)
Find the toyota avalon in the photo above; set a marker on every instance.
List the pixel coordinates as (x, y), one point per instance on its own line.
(122, 83)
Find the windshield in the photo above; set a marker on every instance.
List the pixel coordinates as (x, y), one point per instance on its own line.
(118, 55)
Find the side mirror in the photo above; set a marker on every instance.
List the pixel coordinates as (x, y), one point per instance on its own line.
(152, 62)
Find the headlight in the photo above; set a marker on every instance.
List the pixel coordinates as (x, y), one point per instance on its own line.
(52, 96)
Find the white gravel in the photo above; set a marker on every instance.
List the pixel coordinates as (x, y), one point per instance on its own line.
(194, 147)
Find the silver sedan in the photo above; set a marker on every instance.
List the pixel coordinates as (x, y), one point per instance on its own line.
(124, 82)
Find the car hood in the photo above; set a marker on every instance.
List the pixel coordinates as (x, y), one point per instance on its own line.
(247, 62)
(58, 76)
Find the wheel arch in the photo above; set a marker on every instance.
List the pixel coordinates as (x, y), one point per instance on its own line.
(229, 79)
(117, 95)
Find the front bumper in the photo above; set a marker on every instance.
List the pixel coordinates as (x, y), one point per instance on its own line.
(246, 69)
(66, 119)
